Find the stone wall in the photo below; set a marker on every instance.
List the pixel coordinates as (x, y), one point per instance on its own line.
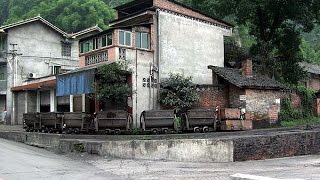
(234, 97)
(276, 146)
(263, 106)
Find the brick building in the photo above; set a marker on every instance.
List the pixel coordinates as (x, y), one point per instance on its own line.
(242, 88)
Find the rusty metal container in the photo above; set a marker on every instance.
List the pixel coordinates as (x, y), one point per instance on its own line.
(31, 120)
(204, 119)
(116, 119)
(51, 120)
(74, 119)
(158, 119)
(236, 125)
(230, 114)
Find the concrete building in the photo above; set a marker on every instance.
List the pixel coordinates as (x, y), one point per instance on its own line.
(156, 37)
(30, 49)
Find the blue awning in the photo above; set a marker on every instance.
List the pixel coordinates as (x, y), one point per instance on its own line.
(76, 82)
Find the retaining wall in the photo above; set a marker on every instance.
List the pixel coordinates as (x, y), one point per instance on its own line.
(215, 147)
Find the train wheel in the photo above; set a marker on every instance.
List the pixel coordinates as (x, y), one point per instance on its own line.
(108, 131)
(154, 131)
(77, 131)
(69, 131)
(196, 130)
(205, 129)
(165, 131)
(117, 131)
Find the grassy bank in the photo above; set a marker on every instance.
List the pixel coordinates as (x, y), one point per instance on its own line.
(300, 122)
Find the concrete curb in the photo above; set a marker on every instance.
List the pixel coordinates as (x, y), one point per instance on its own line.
(225, 147)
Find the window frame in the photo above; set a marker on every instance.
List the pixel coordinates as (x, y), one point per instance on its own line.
(3, 72)
(66, 49)
(106, 38)
(125, 31)
(55, 70)
(141, 40)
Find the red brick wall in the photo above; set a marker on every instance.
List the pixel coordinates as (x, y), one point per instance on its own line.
(82, 61)
(234, 96)
(211, 97)
(165, 4)
(247, 68)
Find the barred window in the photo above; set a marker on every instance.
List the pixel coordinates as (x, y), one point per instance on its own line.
(3, 72)
(65, 49)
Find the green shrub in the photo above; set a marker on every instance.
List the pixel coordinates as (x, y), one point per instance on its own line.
(178, 92)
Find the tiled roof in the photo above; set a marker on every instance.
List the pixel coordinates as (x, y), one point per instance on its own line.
(310, 68)
(235, 77)
(37, 18)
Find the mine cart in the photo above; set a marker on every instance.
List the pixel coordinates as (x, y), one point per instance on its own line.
(201, 120)
(158, 121)
(51, 122)
(76, 122)
(31, 121)
(115, 121)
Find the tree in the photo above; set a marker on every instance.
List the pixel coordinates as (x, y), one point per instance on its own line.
(276, 25)
(69, 15)
(178, 92)
(112, 83)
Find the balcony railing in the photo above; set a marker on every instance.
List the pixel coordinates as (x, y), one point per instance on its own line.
(96, 58)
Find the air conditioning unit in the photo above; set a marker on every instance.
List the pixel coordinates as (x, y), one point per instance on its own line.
(32, 75)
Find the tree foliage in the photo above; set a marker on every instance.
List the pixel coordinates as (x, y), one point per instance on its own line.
(276, 27)
(69, 15)
(178, 92)
(112, 82)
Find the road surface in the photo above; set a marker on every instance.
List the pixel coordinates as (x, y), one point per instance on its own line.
(19, 161)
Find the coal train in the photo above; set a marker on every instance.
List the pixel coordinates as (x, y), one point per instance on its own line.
(119, 121)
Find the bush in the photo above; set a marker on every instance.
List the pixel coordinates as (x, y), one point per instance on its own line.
(178, 92)
(291, 117)
(112, 83)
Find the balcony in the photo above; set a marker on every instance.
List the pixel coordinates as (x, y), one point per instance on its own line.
(96, 58)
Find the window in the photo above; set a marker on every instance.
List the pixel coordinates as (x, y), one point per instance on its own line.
(3, 43)
(3, 72)
(142, 40)
(106, 40)
(56, 70)
(125, 38)
(66, 49)
(3, 46)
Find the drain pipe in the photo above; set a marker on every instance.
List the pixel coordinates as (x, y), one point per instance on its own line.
(159, 56)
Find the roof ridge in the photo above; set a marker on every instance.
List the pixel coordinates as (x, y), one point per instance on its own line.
(32, 19)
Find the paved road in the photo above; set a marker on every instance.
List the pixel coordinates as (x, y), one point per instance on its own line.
(19, 161)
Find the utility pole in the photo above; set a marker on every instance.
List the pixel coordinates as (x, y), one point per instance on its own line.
(14, 66)
(14, 70)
